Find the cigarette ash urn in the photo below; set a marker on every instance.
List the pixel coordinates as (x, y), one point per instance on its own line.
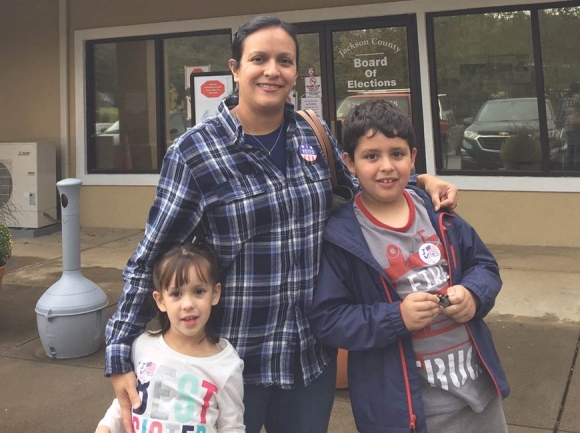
(71, 314)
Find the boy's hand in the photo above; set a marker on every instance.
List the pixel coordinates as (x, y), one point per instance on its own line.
(419, 309)
(443, 194)
(125, 386)
(463, 304)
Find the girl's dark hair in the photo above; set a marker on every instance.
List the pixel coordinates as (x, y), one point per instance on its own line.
(376, 115)
(258, 23)
(173, 268)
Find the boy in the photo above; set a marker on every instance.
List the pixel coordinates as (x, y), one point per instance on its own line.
(418, 362)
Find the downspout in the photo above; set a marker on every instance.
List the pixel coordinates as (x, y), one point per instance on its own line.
(64, 84)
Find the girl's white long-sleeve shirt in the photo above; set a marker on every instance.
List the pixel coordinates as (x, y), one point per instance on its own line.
(183, 393)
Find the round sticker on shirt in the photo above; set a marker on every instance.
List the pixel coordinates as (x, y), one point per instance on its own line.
(307, 152)
(430, 253)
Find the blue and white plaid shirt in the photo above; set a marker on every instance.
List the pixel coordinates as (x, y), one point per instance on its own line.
(267, 230)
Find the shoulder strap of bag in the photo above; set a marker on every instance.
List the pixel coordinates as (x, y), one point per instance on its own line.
(312, 119)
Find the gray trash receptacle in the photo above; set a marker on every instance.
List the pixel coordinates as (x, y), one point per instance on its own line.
(71, 324)
(70, 315)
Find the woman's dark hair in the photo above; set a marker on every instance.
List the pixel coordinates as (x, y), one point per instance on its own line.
(173, 269)
(258, 23)
(376, 115)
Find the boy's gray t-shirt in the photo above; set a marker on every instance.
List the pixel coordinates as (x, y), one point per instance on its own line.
(415, 260)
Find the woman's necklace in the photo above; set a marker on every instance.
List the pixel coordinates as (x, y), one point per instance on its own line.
(273, 146)
(269, 152)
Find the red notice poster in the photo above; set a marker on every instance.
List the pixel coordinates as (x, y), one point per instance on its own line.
(207, 91)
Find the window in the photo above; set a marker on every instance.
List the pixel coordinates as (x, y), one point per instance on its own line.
(560, 31)
(506, 74)
(137, 96)
(308, 65)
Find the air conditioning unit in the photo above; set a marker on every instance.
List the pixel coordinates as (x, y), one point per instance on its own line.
(28, 183)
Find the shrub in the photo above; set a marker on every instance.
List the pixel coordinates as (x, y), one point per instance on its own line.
(5, 244)
(522, 147)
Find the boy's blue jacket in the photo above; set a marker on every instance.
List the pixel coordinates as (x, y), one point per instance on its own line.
(351, 309)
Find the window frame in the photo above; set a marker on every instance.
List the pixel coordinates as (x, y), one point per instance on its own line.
(419, 8)
(160, 94)
(534, 9)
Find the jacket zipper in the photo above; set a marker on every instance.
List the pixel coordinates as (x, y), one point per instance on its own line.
(449, 248)
(412, 416)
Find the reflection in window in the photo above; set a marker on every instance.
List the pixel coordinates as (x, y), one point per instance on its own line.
(183, 55)
(371, 64)
(308, 65)
(482, 58)
(370, 61)
(485, 67)
(560, 30)
(106, 106)
(125, 91)
(125, 75)
(106, 111)
(401, 99)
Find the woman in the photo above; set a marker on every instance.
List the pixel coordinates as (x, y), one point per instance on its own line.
(254, 182)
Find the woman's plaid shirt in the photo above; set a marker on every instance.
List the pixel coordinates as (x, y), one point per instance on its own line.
(267, 230)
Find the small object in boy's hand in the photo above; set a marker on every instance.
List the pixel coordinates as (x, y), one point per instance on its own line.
(444, 301)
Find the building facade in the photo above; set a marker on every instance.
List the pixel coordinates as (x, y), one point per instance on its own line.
(487, 84)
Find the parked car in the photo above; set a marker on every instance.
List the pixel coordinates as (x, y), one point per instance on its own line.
(102, 127)
(177, 124)
(450, 130)
(497, 120)
(112, 132)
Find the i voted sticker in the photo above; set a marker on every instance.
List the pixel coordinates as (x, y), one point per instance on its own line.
(307, 152)
(430, 253)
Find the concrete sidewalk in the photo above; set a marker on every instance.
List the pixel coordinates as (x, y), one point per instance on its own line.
(536, 326)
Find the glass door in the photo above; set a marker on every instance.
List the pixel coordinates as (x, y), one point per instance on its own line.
(310, 93)
(344, 63)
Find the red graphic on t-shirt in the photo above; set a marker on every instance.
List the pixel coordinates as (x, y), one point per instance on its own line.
(400, 266)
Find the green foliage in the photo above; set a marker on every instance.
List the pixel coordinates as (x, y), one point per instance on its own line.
(174, 102)
(195, 50)
(5, 244)
(476, 55)
(522, 147)
(198, 50)
(107, 114)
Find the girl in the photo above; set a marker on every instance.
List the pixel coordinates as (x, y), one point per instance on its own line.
(187, 378)
(254, 178)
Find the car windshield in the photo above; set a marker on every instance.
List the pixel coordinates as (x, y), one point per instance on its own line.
(512, 110)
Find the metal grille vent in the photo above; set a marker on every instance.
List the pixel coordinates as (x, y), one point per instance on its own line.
(5, 181)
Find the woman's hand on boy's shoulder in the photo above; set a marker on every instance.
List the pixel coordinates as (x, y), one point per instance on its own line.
(463, 304)
(443, 194)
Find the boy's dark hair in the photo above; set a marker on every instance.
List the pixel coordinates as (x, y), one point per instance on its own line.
(258, 23)
(173, 268)
(376, 115)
